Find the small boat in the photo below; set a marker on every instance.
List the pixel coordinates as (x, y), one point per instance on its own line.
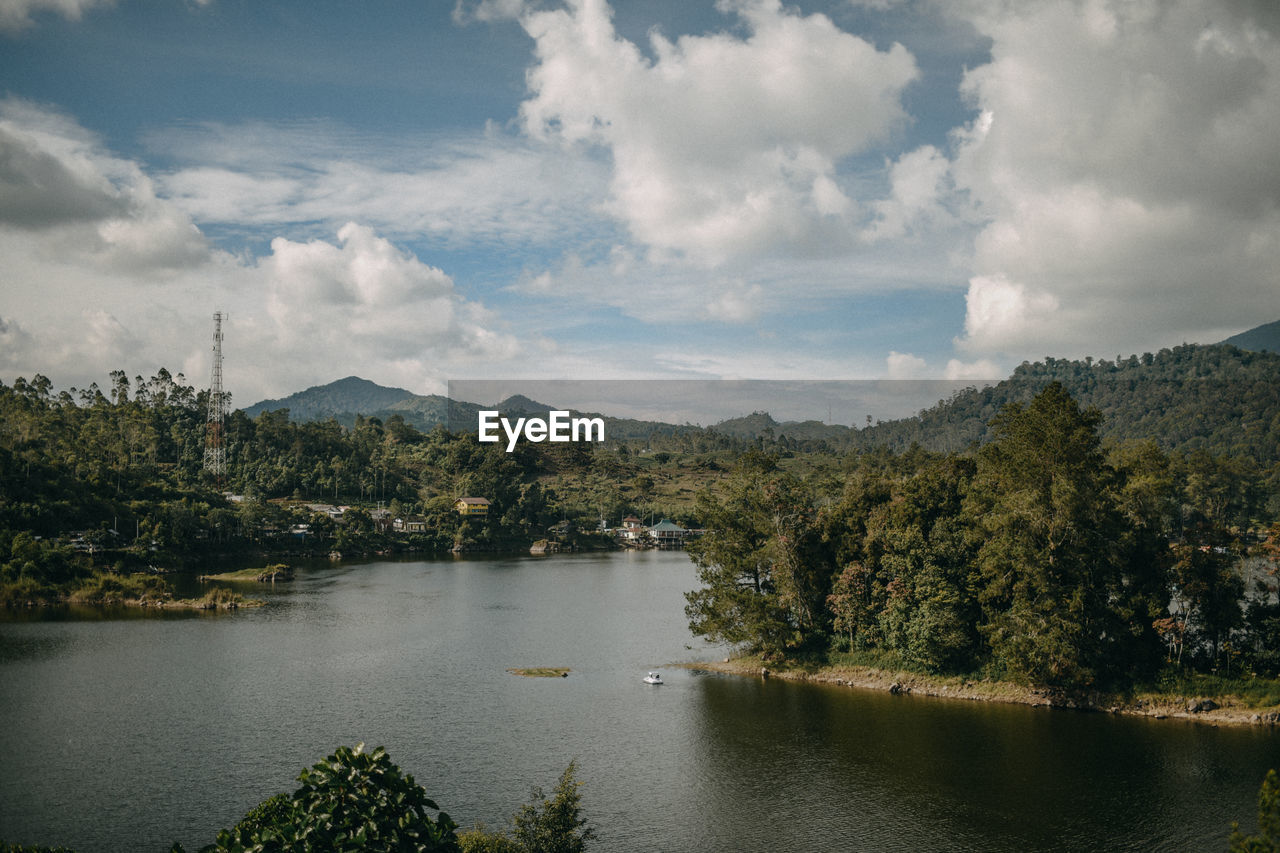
(653, 678)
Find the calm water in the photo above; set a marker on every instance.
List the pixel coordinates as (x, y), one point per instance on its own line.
(129, 733)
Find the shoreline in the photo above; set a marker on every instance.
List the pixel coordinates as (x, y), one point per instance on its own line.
(1219, 711)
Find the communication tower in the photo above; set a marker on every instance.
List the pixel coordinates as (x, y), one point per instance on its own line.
(215, 454)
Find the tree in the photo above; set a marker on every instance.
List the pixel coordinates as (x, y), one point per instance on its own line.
(1207, 586)
(1268, 838)
(543, 825)
(352, 800)
(850, 602)
(1044, 501)
(554, 824)
(738, 601)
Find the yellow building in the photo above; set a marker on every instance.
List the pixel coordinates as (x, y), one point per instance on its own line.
(472, 507)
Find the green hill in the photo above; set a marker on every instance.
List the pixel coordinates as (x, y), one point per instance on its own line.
(345, 396)
(1217, 398)
(1264, 338)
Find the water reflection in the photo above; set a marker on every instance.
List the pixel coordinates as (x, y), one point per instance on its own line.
(128, 733)
(842, 769)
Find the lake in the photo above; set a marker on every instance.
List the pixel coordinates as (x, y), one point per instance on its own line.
(128, 732)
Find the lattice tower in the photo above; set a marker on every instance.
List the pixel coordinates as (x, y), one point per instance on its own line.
(215, 454)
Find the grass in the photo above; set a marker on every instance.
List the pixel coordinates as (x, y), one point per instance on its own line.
(1251, 692)
(111, 588)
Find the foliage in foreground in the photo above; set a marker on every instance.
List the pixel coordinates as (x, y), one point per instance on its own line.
(357, 800)
(1268, 838)
(543, 825)
(352, 800)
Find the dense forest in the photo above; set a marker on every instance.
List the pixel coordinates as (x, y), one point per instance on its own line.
(1075, 525)
(1043, 557)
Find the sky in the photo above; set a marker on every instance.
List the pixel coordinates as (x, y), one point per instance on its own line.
(419, 192)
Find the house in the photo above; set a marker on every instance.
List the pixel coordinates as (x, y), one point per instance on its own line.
(412, 524)
(667, 532)
(472, 507)
(632, 529)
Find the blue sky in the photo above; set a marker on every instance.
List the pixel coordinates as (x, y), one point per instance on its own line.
(415, 192)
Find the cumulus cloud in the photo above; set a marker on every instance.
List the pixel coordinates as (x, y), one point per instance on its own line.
(38, 189)
(369, 302)
(980, 369)
(721, 145)
(904, 365)
(918, 189)
(72, 197)
(15, 344)
(101, 270)
(1123, 160)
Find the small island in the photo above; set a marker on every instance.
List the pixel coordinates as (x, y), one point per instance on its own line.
(270, 574)
(541, 672)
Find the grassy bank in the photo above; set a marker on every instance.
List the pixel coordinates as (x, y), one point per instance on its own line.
(1199, 698)
(109, 589)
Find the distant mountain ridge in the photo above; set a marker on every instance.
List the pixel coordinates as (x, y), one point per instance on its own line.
(1264, 338)
(350, 395)
(1193, 396)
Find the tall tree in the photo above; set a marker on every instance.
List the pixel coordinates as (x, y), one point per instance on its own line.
(1045, 503)
(739, 600)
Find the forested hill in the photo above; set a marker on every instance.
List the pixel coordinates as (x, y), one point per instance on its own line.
(1218, 398)
(1265, 337)
(346, 396)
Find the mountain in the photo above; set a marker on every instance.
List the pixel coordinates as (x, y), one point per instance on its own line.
(346, 398)
(351, 395)
(1220, 398)
(1264, 338)
(762, 424)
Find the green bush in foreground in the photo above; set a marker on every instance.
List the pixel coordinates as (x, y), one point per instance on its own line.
(1268, 838)
(353, 800)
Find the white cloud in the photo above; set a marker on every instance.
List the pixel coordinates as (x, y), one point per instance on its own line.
(980, 369)
(468, 187)
(904, 365)
(721, 145)
(1124, 163)
(366, 302)
(16, 15)
(918, 186)
(70, 197)
(107, 273)
(1003, 314)
(487, 10)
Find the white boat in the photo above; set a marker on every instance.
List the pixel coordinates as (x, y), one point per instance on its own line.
(653, 678)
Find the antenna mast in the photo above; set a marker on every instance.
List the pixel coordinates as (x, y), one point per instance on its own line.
(215, 459)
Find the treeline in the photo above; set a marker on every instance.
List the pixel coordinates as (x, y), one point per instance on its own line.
(116, 476)
(1218, 399)
(1040, 557)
